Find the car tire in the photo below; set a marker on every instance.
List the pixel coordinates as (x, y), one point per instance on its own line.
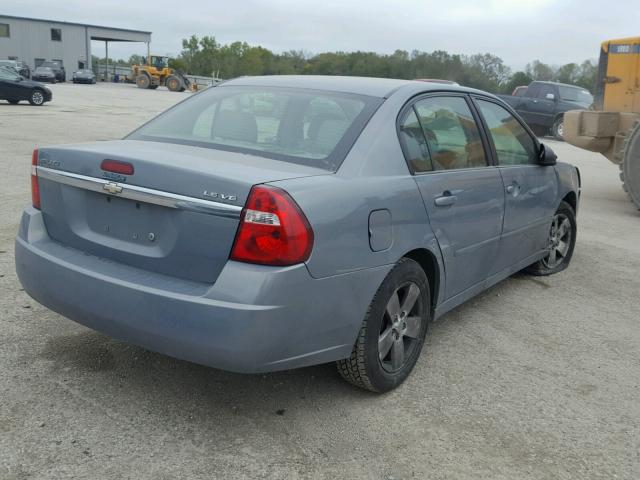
(143, 81)
(557, 129)
(562, 241)
(173, 83)
(13, 102)
(395, 322)
(37, 97)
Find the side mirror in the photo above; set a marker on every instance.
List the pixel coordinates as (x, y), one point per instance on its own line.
(546, 156)
(550, 96)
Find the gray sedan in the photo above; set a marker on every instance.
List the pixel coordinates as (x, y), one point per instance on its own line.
(276, 222)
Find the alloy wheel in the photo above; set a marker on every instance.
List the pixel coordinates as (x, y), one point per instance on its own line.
(37, 98)
(559, 240)
(401, 326)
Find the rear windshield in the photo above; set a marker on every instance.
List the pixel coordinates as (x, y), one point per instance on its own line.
(573, 94)
(308, 127)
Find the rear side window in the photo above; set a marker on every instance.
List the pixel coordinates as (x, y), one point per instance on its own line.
(513, 144)
(546, 90)
(313, 128)
(415, 144)
(451, 133)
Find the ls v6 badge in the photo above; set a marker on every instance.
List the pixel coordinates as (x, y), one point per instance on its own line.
(220, 196)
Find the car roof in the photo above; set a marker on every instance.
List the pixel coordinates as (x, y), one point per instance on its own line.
(547, 82)
(370, 86)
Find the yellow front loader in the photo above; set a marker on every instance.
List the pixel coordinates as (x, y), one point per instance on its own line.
(613, 128)
(156, 73)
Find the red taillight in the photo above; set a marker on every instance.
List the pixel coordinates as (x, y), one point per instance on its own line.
(273, 230)
(116, 166)
(35, 188)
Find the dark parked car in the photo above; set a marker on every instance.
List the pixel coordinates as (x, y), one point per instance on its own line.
(44, 74)
(23, 69)
(14, 88)
(84, 76)
(277, 222)
(58, 69)
(543, 105)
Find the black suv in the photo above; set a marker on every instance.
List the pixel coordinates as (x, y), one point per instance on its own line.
(543, 105)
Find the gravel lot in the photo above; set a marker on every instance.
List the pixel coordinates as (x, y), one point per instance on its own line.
(537, 378)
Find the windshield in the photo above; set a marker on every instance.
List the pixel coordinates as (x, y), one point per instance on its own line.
(307, 127)
(44, 70)
(575, 94)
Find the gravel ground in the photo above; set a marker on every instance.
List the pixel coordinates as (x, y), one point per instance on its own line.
(536, 378)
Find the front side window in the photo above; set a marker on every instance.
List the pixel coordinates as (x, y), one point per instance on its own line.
(575, 94)
(56, 35)
(307, 127)
(451, 133)
(513, 144)
(5, 32)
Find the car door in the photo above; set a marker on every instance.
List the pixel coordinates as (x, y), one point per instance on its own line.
(524, 108)
(9, 85)
(542, 108)
(462, 193)
(531, 190)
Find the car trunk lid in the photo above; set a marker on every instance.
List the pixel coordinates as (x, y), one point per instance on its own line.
(177, 214)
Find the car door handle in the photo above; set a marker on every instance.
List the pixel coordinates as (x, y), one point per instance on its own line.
(446, 199)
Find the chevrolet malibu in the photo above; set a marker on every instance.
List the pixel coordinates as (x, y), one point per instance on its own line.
(276, 222)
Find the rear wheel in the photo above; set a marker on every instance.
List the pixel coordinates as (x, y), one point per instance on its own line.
(393, 331)
(36, 98)
(561, 242)
(143, 81)
(557, 130)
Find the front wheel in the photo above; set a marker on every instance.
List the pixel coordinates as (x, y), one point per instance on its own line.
(393, 331)
(174, 83)
(561, 242)
(557, 129)
(36, 98)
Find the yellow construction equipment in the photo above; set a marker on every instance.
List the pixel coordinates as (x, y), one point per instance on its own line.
(613, 128)
(157, 73)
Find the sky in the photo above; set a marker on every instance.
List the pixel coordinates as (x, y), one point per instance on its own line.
(518, 31)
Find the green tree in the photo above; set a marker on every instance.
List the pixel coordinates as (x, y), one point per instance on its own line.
(516, 80)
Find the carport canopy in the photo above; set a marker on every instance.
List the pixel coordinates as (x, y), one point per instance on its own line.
(107, 35)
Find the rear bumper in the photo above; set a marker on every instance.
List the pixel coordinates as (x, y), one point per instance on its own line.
(253, 319)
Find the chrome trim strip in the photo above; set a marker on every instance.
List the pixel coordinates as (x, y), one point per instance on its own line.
(141, 194)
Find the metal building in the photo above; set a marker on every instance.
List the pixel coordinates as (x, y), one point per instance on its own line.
(34, 41)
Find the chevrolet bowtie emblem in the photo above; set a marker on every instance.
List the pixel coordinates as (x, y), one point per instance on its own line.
(112, 188)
